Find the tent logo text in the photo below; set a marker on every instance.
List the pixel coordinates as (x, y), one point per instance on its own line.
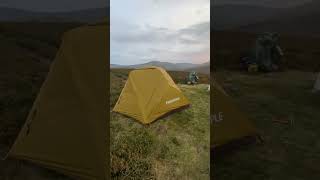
(173, 100)
(218, 117)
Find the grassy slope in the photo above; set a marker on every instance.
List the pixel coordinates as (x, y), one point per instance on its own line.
(175, 147)
(25, 53)
(40, 38)
(289, 151)
(18, 87)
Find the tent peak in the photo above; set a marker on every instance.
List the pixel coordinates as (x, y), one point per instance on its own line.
(150, 67)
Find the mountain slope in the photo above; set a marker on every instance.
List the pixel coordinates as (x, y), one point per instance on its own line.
(166, 65)
(205, 69)
(11, 14)
(232, 16)
(16, 15)
(265, 3)
(304, 19)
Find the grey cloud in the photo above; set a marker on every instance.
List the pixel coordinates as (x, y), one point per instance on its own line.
(197, 33)
(189, 41)
(192, 35)
(133, 41)
(197, 29)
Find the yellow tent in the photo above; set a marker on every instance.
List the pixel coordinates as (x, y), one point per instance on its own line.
(228, 122)
(148, 94)
(66, 128)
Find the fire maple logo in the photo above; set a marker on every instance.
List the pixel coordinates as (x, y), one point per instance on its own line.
(216, 118)
(173, 100)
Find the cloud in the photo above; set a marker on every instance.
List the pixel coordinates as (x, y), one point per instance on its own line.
(161, 30)
(197, 33)
(156, 43)
(148, 34)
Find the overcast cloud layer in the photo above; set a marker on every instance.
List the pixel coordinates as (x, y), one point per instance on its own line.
(161, 30)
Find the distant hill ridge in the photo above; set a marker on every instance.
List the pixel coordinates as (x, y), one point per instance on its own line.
(20, 15)
(302, 19)
(264, 3)
(232, 16)
(204, 67)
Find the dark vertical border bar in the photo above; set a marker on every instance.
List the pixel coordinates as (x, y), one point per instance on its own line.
(211, 84)
(108, 162)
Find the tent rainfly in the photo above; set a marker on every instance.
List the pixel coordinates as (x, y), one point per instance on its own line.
(66, 128)
(228, 123)
(148, 94)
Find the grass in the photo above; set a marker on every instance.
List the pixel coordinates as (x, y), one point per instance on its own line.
(290, 151)
(175, 147)
(42, 39)
(50, 32)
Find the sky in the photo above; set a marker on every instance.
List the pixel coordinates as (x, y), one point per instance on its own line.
(53, 5)
(159, 30)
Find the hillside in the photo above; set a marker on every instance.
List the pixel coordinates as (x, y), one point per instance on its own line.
(166, 65)
(297, 18)
(264, 3)
(19, 15)
(233, 16)
(302, 20)
(205, 69)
